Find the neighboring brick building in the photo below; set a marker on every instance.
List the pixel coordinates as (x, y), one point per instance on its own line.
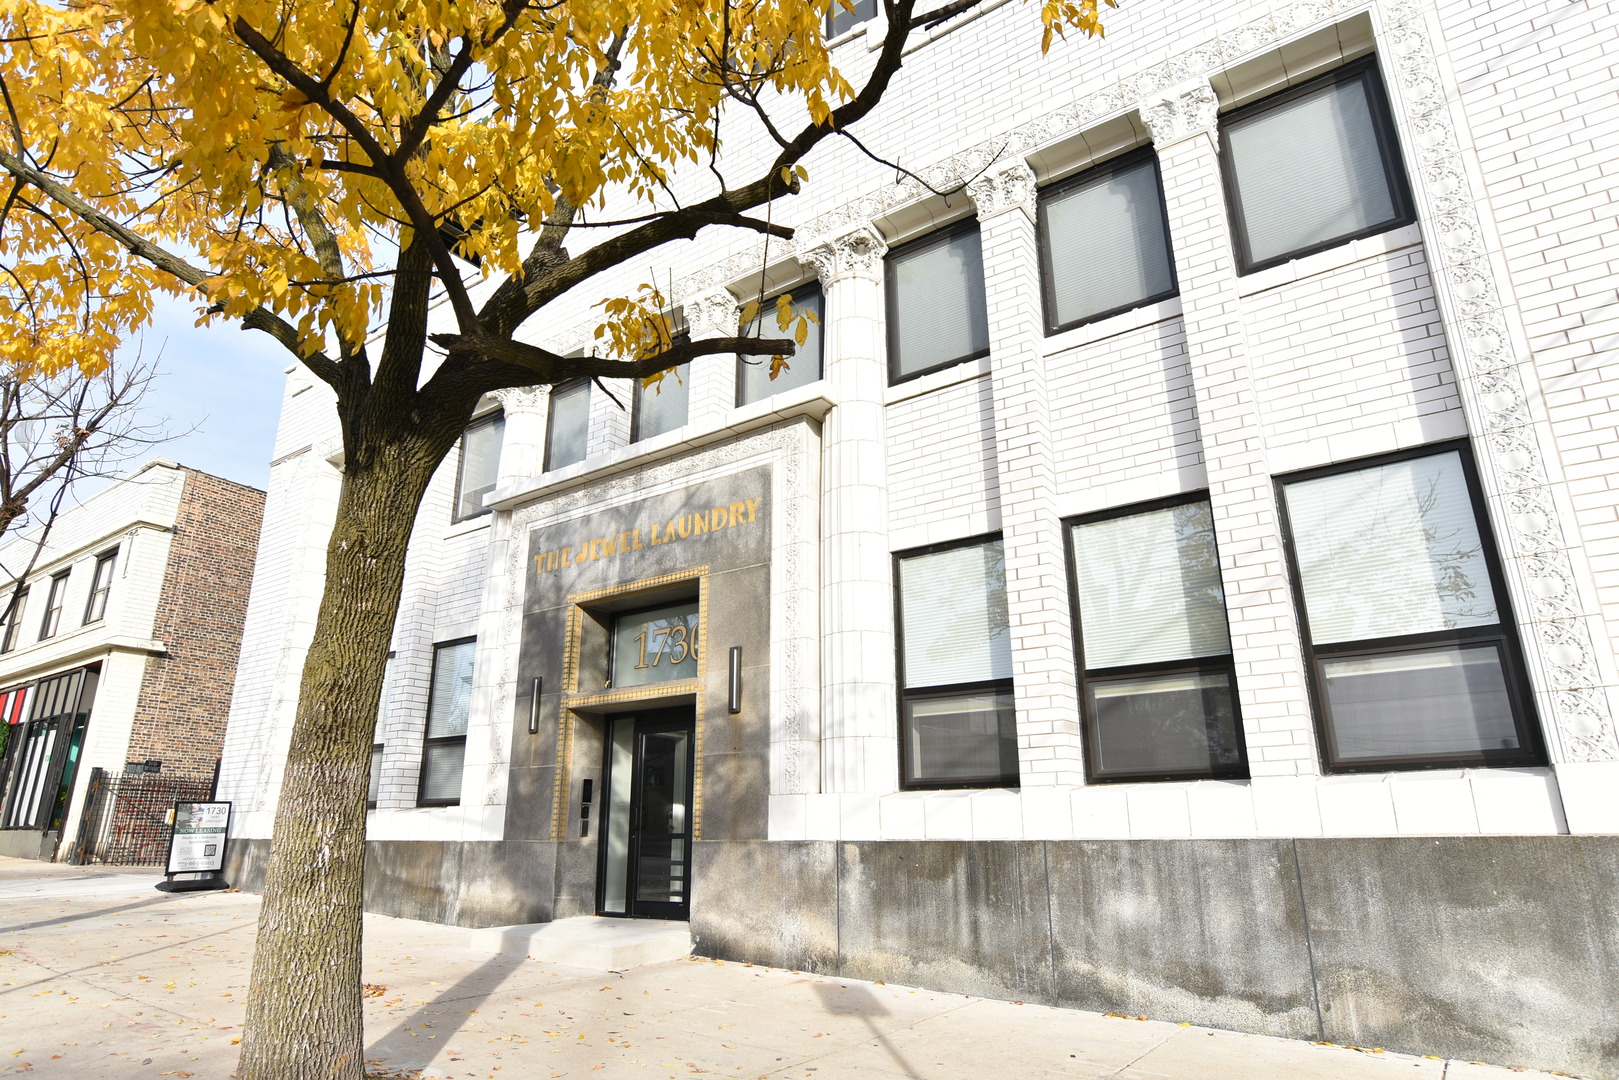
(149, 583)
(1180, 576)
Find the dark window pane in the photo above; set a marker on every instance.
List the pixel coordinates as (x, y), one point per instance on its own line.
(1165, 724)
(936, 306)
(803, 367)
(840, 19)
(567, 432)
(970, 736)
(1450, 701)
(375, 783)
(1107, 248)
(441, 771)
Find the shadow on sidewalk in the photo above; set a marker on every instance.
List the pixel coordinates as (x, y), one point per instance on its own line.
(474, 988)
(118, 909)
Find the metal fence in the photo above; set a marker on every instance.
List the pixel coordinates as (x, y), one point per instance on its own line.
(126, 817)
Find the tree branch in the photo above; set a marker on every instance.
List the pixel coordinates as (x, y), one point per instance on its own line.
(552, 368)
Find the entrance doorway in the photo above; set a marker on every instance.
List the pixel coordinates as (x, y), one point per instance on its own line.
(646, 841)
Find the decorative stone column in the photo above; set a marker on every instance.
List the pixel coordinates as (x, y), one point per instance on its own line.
(1049, 743)
(859, 745)
(713, 378)
(522, 448)
(1265, 643)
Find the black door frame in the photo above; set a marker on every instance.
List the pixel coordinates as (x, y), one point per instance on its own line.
(680, 718)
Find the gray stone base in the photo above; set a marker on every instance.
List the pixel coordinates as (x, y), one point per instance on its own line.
(1498, 949)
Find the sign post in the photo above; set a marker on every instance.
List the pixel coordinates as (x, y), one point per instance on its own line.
(197, 847)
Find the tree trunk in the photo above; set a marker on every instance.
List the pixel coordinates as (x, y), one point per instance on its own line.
(304, 1017)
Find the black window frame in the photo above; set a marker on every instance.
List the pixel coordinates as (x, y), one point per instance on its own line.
(904, 694)
(485, 420)
(376, 775)
(1514, 669)
(767, 307)
(107, 561)
(571, 386)
(427, 719)
(50, 623)
(8, 637)
(1200, 665)
(1388, 144)
(936, 237)
(1127, 160)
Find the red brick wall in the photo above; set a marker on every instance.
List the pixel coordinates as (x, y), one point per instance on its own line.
(185, 698)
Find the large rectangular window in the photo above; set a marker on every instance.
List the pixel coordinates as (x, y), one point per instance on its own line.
(14, 621)
(1159, 694)
(841, 19)
(52, 620)
(936, 307)
(480, 465)
(100, 586)
(449, 702)
(958, 726)
(753, 381)
(1414, 660)
(1313, 167)
(662, 407)
(567, 428)
(1104, 242)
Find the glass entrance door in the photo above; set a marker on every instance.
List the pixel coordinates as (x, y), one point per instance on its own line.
(646, 845)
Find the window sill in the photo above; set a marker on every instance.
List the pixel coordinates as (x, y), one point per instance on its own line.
(1114, 325)
(934, 381)
(1336, 258)
(469, 525)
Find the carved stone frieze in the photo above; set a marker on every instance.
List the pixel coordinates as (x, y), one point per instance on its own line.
(856, 253)
(1181, 112)
(1007, 185)
(713, 314)
(519, 399)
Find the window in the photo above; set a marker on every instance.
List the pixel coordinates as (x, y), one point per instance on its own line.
(1413, 660)
(567, 429)
(655, 645)
(448, 703)
(374, 785)
(662, 407)
(96, 607)
(1104, 242)
(936, 308)
(753, 381)
(9, 642)
(1313, 167)
(957, 722)
(53, 605)
(840, 19)
(1158, 687)
(480, 465)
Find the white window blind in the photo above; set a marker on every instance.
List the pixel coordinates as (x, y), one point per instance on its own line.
(451, 698)
(663, 408)
(1390, 550)
(441, 771)
(804, 366)
(1106, 246)
(936, 303)
(1309, 171)
(1149, 588)
(567, 432)
(954, 611)
(480, 464)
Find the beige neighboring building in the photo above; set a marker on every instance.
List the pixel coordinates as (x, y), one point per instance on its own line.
(122, 652)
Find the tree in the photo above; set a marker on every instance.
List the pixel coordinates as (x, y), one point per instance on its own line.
(316, 170)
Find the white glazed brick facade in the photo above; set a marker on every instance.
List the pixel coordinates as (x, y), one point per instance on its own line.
(1491, 318)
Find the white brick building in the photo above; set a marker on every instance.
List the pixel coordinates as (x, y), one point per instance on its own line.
(1221, 417)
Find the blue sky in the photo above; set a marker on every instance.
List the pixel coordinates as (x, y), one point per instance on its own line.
(224, 381)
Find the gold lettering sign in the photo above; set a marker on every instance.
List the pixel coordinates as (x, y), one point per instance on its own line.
(736, 515)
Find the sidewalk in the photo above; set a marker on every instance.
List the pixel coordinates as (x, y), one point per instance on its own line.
(102, 976)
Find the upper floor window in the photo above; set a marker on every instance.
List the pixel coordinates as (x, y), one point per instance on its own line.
(936, 309)
(1413, 657)
(1104, 242)
(840, 19)
(53, 605)
(753, 381)
(662, 407)
(567, 427)
(480, 464)
(1313, 167)
(958, 727)
(449, 703)
(100, 586)
(9, 641)
(1159, 692)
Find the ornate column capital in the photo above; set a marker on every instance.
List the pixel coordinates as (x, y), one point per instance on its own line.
(857, 253)
(1180, 112)
(1005, 185)
(712, 314)
(519, 399)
